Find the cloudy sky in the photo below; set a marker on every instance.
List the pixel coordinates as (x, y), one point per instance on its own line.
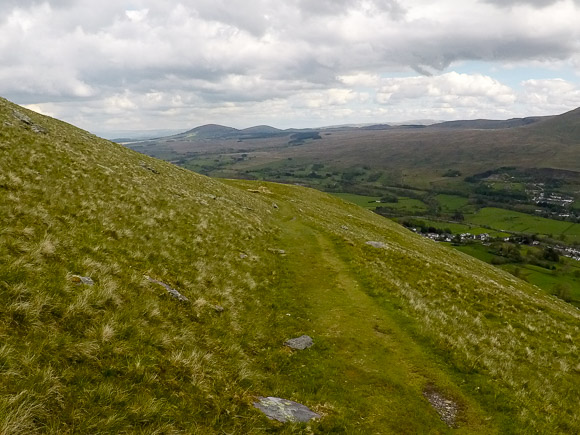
(144, 64)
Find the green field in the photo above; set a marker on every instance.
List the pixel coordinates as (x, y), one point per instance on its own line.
(475, 250)
(407, 206)
(403, 206)
(549, 279)
(451, 203)
(566, 272)
(363, 201)
(506, 220)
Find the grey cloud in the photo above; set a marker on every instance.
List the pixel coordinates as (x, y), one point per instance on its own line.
(211, 51)
(8, 5)
(23, 4)
(534, 3)
(325, 7)
(341, 7)
(252, 17)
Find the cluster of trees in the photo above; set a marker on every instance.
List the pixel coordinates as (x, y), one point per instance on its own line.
(512, 253)
(423, 227)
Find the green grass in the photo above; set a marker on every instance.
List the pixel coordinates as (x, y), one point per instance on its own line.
(549, 279)
(407, 206)
(369, 202)
(123, 356)
(475, 250)
(451, 203)
(404, 205)
(460, 228)
(506, 220)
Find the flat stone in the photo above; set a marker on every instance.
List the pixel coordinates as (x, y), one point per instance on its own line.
(299, 343)
(284, 410)
(170, 290)
(379, 245)
(82, 280)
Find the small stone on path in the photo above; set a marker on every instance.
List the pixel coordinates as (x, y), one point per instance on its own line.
(284, 410)
(299, 343)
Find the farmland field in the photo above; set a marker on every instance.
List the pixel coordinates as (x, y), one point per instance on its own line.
(506, 220)
(450, 203)
(360, 200)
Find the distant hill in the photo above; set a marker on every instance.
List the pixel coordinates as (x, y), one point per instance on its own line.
(261, 129)
(210, 131)
(491, 124)
(421, 153)
(138, 296)
(136, 135)
(565, 127)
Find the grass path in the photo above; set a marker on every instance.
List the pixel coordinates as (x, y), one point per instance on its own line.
(361, 352)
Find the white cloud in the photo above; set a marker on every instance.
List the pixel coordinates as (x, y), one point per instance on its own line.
(459, 89)
(550, 95)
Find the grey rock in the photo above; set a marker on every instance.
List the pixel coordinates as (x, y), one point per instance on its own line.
(274, 205)
(22, 117)
(38, 129)
(171, 291)
(447, 409)
(144, 166)
(300, 343)
(284, 410)
(277, 251)
(379, 245)
(218, 308)
(83, 280)
(242, 255)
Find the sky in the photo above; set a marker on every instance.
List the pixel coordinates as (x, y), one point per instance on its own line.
(151, 64)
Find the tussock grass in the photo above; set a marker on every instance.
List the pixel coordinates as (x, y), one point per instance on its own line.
(124, 356)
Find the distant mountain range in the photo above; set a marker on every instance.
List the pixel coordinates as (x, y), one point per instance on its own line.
(216, 131)
(470, 146)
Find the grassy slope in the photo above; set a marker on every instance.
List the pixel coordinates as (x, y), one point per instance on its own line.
(122, 356)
